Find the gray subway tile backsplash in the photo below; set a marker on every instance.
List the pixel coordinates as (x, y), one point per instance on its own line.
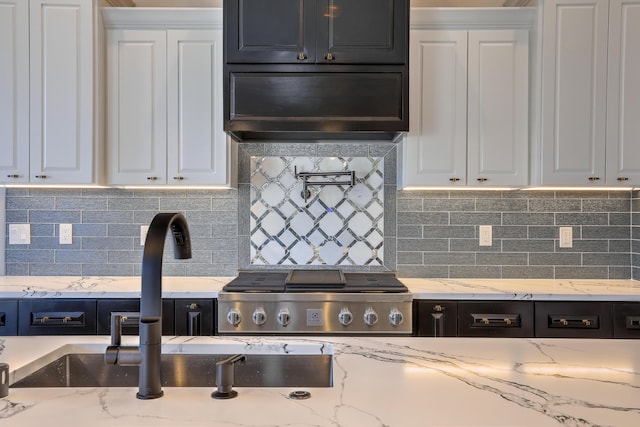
(426, 233)
(635, 234)
(106, 231)
(525, 233)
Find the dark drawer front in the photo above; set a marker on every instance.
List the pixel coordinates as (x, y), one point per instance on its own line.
(9, 317)
(436, 318)
(574, 320)
(57, 317)
(626, 320)
(194, 317)
(495, 319)
(130, 325)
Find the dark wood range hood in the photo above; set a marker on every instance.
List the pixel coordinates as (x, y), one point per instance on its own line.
(316, 69)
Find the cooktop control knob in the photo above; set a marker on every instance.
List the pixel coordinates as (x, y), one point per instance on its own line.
(234, 317)
(345, 317)
(370, 317)
(284, 317)
(259, 316)
(395, 317)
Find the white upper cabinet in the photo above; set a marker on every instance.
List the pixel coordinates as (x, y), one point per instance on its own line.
(14, 90)
(574, 91)
(164, 96)
(435, 149)
(468, 108)
(498, 108)
(623, 93)
(62, 82)
(136, 107)
(56, 87)
(590, 102)
(196, 141)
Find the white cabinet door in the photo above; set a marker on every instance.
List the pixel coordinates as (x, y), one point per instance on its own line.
(498, 107)
(136, 103)
(574, 73)
(623, 93)
(469, 110)
(61, 91)
(435, 148)
(196, 142)
(14, 91)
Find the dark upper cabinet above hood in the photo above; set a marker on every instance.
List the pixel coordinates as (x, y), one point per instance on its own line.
(316, 69)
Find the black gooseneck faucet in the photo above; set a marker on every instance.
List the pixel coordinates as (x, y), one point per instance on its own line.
(147, 355)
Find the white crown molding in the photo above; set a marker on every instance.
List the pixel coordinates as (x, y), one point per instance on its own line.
(162, 18)
(427, 18)
(120, 3)
(420, 17)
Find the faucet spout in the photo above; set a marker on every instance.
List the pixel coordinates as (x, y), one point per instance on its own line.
(150, 383)
(151, 299)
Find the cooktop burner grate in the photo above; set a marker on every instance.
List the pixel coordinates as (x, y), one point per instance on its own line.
(315, 281)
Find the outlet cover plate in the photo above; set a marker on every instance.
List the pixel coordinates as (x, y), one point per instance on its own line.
(143, 234)
(66, 234)
(566, 237)
(486, 237)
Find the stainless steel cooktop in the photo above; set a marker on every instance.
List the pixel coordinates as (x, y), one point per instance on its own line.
(314, 302)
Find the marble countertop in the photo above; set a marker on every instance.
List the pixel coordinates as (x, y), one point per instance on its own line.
(208, 287)
(401, 382)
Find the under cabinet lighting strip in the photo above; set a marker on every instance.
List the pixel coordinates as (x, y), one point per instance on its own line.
(578, 189)
(456, 188)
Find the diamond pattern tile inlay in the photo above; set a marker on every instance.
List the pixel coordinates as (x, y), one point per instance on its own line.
(338, 225)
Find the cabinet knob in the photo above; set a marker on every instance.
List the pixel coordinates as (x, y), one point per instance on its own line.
(178, 178)
(15, 175)
(41, 176)
(454, 179)
(594, 178)
(623, 178)
(152, 178)
(329, 57)
(302, 56)
(482, 179)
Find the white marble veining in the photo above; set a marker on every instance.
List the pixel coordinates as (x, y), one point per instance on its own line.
(208, 287)
(106, 287)
(525, 289)
(401, 382)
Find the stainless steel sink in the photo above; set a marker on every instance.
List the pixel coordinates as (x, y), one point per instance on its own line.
(185, 370)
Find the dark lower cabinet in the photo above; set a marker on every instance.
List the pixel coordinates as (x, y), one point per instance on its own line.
(436, 318)
(526, 319)
(93, 316)
(510, 319)
(130, 325)
(57, 317)
(555, 319)
(194, 317)
(8, 317)
(626, 320)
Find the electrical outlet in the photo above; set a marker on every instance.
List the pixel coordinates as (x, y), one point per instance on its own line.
(19, 234)
(143, 234)
(485, 235)
(566, 237)
(66, 234)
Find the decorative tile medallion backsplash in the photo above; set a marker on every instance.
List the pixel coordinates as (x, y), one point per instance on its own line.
(336, 225)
